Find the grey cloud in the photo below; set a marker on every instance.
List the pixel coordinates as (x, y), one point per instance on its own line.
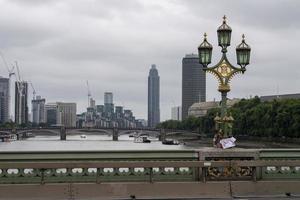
(267, 14)
(112, 43)
(106, 9)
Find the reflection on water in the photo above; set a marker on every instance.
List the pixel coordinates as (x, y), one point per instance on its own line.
(76, 142)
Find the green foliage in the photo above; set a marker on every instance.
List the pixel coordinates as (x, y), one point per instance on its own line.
(190, 123)
(203, 124)
(278, 118)
(8, 125)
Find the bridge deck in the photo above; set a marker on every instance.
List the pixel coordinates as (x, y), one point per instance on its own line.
(171, 190)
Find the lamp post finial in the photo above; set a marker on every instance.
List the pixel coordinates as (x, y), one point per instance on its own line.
(243, 37)
(224, 19)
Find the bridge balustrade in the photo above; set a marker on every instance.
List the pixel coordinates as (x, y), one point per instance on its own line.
(160, 174)
(41, 172)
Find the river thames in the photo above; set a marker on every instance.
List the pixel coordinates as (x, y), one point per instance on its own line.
(91, 142)
(104, 142)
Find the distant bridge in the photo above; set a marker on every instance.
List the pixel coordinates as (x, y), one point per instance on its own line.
(114, 132)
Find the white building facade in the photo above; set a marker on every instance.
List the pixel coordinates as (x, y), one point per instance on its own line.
(66, 114)
(38, 110)
(176, 113)
(61, 114)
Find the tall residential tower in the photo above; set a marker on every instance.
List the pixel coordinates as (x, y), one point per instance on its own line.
(61, 114)
(193, 83)
(38, 110)
(21, 106)
(153, 97)
(108, 104)
(66, 114)
(4, 100)
(176, 113)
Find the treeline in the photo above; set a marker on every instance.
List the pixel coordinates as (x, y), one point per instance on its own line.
(202, 124)
(278, 118)
(10, 125)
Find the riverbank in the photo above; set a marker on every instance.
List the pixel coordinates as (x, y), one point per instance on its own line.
(241, 143)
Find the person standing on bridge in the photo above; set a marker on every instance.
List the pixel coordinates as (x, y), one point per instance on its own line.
(217, 139)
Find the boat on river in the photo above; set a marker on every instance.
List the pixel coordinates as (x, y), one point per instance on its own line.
(170, 142)
(83, 136)
(10, 138)
(141, 139)
(132, 134)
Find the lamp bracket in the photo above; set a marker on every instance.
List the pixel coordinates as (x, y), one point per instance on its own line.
(224, 72)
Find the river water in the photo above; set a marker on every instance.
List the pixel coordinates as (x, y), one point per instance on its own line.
(91, 142)
(100, 142)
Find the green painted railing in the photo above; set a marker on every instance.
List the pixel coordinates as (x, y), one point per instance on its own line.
(99, 155)
(149, 166)
(280, 172)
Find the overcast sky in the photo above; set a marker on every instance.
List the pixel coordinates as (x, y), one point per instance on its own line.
(59, 44)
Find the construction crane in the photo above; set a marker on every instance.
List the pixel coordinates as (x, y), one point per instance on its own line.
(33, 90)
(89, 92)
(10, 70)
(20, 85)
(18, 72)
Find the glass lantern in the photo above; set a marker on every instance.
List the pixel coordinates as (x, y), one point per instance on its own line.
(224, 34)
(243, 53)
(205, 52)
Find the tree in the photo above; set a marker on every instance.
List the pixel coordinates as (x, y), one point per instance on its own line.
(277, 118)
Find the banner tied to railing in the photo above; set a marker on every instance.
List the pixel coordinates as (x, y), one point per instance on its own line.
(228, 142)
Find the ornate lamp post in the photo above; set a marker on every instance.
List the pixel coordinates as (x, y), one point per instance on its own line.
(224, 71)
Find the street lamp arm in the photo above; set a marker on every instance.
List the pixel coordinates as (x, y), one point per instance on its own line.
(224, 71)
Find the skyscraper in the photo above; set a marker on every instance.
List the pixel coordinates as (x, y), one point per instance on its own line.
(92, 103)
(153, 97)
(51, 114)
(108, 98)
(108, 104)
(38, 110)
(193, 83)
(21, 106)
(100, 109)
(66, 114)
(176, 113)
(119, 112)
(4, 100)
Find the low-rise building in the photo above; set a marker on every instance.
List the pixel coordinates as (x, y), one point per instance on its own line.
(200, 109)
(281, 96)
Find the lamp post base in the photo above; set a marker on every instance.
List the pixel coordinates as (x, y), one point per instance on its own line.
(223, 130)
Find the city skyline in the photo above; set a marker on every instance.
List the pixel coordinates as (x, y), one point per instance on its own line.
(107, 115)
(87, 41)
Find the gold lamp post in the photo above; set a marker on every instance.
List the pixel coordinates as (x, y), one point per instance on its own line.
(224, 71)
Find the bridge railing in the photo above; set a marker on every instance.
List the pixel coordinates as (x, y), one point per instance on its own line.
(145, 171)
